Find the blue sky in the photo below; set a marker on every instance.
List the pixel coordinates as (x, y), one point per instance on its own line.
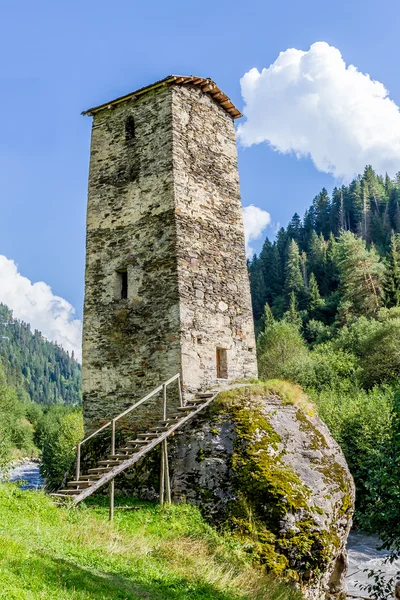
(59, 58)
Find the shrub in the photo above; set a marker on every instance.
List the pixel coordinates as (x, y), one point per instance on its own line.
(282, 352)
(58, 432)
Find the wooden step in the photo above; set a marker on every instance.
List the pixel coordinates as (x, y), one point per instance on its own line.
(132, 442)
(70, 492)
(148, 435)
(80, 483)
(122, 457)
(185, 408)
(99, 470)
(195, 401)
(204, 395)
(110, 461)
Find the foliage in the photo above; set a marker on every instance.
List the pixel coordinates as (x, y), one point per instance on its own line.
(58, 432)
(16, 431)
(37, 369)
(281, 350)
(360, 277)
(334, 258)
(334, 292)
(392, 279)
(362, 423)
(151, 552)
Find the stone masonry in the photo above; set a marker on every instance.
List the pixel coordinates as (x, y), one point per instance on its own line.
(167, 288)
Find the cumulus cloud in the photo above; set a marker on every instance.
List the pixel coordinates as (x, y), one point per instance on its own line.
(36, 304)
(255, 220)
(312, 104)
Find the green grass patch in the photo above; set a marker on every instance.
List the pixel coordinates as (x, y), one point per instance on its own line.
(151, 553)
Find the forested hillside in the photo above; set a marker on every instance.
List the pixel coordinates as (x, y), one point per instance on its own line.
(37, 369)
(326, 297)
(315, 264)
(40, 392)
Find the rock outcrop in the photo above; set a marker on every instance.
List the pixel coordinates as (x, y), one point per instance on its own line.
(261, 463)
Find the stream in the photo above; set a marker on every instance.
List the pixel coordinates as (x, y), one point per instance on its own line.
(29, 473)
(363, 554)
(362, 548)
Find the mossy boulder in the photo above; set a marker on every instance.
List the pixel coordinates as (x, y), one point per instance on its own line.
(260, 462)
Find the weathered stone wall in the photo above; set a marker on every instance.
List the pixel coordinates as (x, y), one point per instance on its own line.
(215, 304)
(166, 207)
(130, 345)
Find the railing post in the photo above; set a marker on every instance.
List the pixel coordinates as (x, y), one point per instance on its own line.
(163, 464)
(166, 473)
(111, 514)
(113, 437)
(165, 401)
(162, 477)
(180, 391)
(78, 462)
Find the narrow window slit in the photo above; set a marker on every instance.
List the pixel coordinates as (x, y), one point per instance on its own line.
(222, 363)
(130, 129)
(122, 287)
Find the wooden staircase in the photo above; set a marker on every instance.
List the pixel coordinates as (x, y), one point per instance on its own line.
(133, 450)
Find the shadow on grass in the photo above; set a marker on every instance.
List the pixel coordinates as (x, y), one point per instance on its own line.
(66, 576)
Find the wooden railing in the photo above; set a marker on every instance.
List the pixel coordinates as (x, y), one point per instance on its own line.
(161, 388)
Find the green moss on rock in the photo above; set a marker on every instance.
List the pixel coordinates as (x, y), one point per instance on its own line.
(271, 512)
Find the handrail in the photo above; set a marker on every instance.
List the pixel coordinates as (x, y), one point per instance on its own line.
(162, 387)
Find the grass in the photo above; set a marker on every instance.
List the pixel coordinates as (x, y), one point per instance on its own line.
(151, 553)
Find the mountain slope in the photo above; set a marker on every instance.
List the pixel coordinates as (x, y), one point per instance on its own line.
(37, 369)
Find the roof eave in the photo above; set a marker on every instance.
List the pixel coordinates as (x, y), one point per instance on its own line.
(207, 85)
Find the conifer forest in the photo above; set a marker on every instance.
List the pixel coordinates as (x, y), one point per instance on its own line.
(326, 302)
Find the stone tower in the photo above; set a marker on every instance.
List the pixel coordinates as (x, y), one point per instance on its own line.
(167, 288)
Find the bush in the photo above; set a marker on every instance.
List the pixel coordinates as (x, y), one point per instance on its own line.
(282, 352)
(58, 432)
(363, 423)
(335, 369)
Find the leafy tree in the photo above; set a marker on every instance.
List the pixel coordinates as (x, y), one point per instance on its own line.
(59, 431)
(281, 350)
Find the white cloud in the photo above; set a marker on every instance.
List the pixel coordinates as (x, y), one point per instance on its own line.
(36, 304)
(255, 220)
(312, 104)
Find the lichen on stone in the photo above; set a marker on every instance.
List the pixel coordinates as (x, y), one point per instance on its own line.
(271, 473)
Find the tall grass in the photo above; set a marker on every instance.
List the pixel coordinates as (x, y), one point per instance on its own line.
(150, 553)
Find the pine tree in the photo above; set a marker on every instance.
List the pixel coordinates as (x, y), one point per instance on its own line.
(303, 267)
(321, 206)
(257, 287)
(293, 277)
(392, 276)
(294, 229)
(292, 314)
(314, 297)
(361, 275)
(267, 319)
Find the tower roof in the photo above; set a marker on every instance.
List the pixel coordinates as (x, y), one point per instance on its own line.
(206, 84)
